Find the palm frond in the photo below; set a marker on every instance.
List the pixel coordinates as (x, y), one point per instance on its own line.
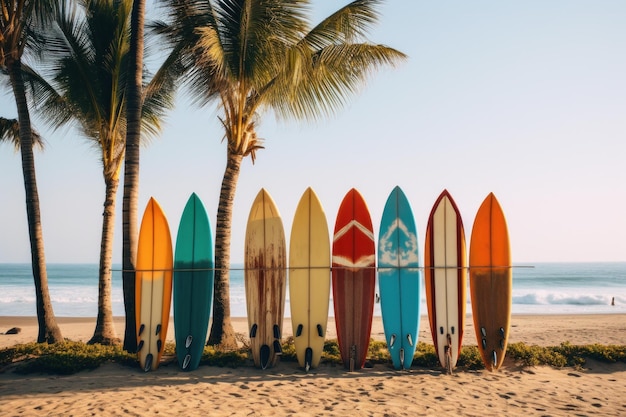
(181, 35)
(158, 96)
(10, 132)
(45, 98)
(254, 55)
(324, 81)
(349, 24)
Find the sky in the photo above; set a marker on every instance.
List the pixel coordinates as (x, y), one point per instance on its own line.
(523, 99)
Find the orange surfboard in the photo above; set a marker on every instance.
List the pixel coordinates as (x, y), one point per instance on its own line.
(353, 279)
(491, 282)
(153, 281)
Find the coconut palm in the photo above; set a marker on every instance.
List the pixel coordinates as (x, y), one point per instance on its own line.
(90, 44)
(131, 171)
(18, 19)
(162, 86)
(254, 56)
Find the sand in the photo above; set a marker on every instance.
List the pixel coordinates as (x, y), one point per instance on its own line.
(330, 390)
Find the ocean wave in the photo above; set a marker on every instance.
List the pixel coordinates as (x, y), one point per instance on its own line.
(567, 299)
(65, 297)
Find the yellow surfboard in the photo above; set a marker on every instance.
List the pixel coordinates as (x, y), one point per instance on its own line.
(153, 281)
(309, 279)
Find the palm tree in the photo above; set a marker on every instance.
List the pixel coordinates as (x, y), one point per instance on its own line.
(18, 18)
(253, 56)
(131, 171)
(91, 45)
(161, 87)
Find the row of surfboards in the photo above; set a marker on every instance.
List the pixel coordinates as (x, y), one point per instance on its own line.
(353, 269)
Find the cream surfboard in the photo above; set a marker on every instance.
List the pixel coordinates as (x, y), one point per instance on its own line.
(153, 281)
(445, 276)
(265, 265)
(309, 279)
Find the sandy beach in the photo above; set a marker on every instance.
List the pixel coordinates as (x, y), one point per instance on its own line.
(330, 390)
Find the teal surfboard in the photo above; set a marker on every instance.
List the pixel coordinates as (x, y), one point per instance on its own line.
(399, 279)
(193, 283)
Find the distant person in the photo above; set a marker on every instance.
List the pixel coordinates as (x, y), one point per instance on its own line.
(613, 301)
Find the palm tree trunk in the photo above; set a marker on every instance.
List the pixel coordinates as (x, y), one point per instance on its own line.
(105, 328)
(49, 331)
(131, 172)
(222, 332)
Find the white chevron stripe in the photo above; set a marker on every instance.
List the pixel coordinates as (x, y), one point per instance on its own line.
(362, 262)
(349, 226)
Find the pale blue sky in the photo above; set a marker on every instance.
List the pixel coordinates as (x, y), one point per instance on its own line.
(523, 99)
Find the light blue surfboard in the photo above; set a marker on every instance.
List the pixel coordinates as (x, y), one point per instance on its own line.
(399, 279)
(193, 283)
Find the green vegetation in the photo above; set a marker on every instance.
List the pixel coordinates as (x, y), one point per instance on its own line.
(565, 354)
(213, 357)
(62, 358)
(71, 357)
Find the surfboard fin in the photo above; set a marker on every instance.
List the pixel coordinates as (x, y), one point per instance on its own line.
(277, 348)
(448, 352)
(402, 357)
(186, 361)
(140, 345)
(501, 331)
(483, 331)
(148, 364)
(320, 330)
(308, 359)
(299, 330)
(265, 356)
(253, 330)
(352, 357)
(484, 343)
(159, 345)
(502, 344)
(409, 339)
(141, 329)
(276, 329)
(158, 330)
(188, 341)
(494, 359)
(392, 341)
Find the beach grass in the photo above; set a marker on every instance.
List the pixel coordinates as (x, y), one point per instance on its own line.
(71, 357)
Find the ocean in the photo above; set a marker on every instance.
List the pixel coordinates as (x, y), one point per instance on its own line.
(541, 288)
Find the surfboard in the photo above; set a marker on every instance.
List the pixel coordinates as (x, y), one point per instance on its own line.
(399, 278)
(445, 276)
(353, 279)
(491, 282)
(153, 284)
(309, 279)
(193, 283)
(265, 264)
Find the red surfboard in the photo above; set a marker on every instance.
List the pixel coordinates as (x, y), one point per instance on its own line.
(354, 279)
